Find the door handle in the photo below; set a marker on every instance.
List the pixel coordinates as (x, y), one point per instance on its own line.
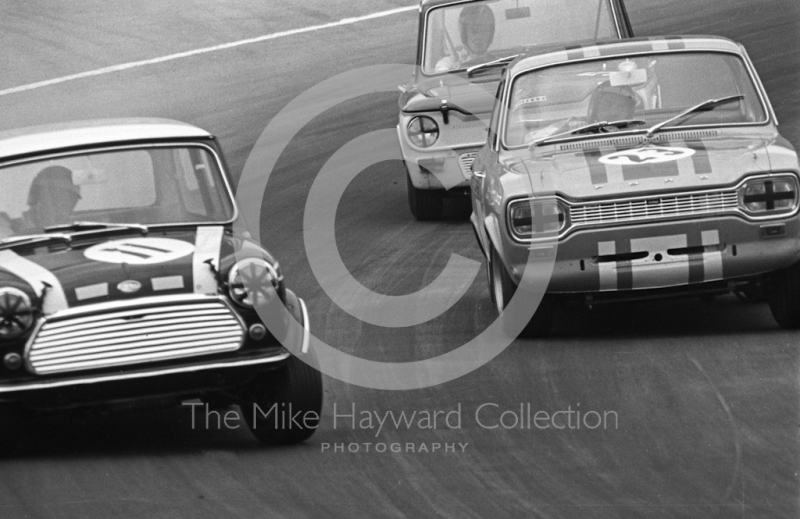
(479, 174)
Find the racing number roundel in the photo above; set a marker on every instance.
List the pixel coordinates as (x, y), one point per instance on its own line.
(139, 251)
(648, 155)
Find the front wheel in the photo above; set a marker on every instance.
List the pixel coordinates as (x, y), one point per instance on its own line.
(284, 406)
(425, 204)
(12, 423)
(503, 288)
(783, 295)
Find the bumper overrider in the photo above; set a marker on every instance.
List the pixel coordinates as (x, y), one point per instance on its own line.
(207, 347)
(661, 255)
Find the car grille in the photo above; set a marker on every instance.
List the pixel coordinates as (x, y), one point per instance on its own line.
(465, 160)
(111, 335)
(676, 206)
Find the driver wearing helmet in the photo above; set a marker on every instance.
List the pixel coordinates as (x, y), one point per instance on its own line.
(607, 104)
(611, 103)
(476, 24)
(51, 200)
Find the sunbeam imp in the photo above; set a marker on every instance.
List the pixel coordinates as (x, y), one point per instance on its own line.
(123, 283)
(462, 47)
(645, 168)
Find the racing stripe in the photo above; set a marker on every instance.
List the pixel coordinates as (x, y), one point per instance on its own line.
(696, 259)
(629, 48)
(574, 52)
(44, 282)
(658, 43)
(659, 268)
(591, 51)
(701, 160)
(686, 165)
(624, 268)
(651, 170)
(597, 170)
(607, 270)
(675, 42)
(207, 247)
(712, 261)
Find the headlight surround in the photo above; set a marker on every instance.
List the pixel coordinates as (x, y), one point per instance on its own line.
(769, 196)
(422, 131)
(16, 313)
(254, 282)
(531, 219)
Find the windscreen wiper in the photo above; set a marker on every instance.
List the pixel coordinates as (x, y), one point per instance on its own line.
(499, 61)
(587, 128)
(705, 105)
(96, 226)
(15, 241)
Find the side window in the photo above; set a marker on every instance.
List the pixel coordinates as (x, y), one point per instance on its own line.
(495, 120)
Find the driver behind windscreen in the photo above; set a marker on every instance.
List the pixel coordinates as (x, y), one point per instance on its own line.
(607, 104)
(611, 103)
(51, 200)
(476, 24)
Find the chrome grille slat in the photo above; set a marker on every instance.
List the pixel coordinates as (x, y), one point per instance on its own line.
(133, 312)
(145, 319)
(673, 206)
(129, 348)
(122, 330)
(128, 340)
(104, 336)
(169, 355)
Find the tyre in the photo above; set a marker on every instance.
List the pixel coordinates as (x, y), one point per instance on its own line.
(12, 422)
(783, 295)
(284, 406)
(425, 204)
(503, 288)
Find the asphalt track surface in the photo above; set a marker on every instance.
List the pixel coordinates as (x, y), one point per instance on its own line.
(706, 395)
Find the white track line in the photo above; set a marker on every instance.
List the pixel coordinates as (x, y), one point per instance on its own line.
(179, 55)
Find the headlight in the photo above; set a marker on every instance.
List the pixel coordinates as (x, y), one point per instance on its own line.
(423, 131)
(767, 196)
(531, 219)
(16, 313)
(254, 282)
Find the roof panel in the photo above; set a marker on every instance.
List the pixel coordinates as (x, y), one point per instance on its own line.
(53, 137)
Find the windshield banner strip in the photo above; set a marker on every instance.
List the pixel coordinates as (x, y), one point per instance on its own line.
(43, 282)
(207, 247)
(582, 51)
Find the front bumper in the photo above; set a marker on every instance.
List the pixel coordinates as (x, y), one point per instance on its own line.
(156, 383)
(662, 255)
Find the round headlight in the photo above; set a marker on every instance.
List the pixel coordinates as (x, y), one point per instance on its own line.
(253, 282)
(16, 313)
(423, 131)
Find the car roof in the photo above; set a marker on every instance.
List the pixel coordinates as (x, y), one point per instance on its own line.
(427, 4)
(610, 48)
(55, 137)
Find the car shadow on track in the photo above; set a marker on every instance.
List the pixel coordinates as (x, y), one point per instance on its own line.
(676, 317)
(140, 433)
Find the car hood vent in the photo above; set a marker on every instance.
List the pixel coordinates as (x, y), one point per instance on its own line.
(638, 140)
